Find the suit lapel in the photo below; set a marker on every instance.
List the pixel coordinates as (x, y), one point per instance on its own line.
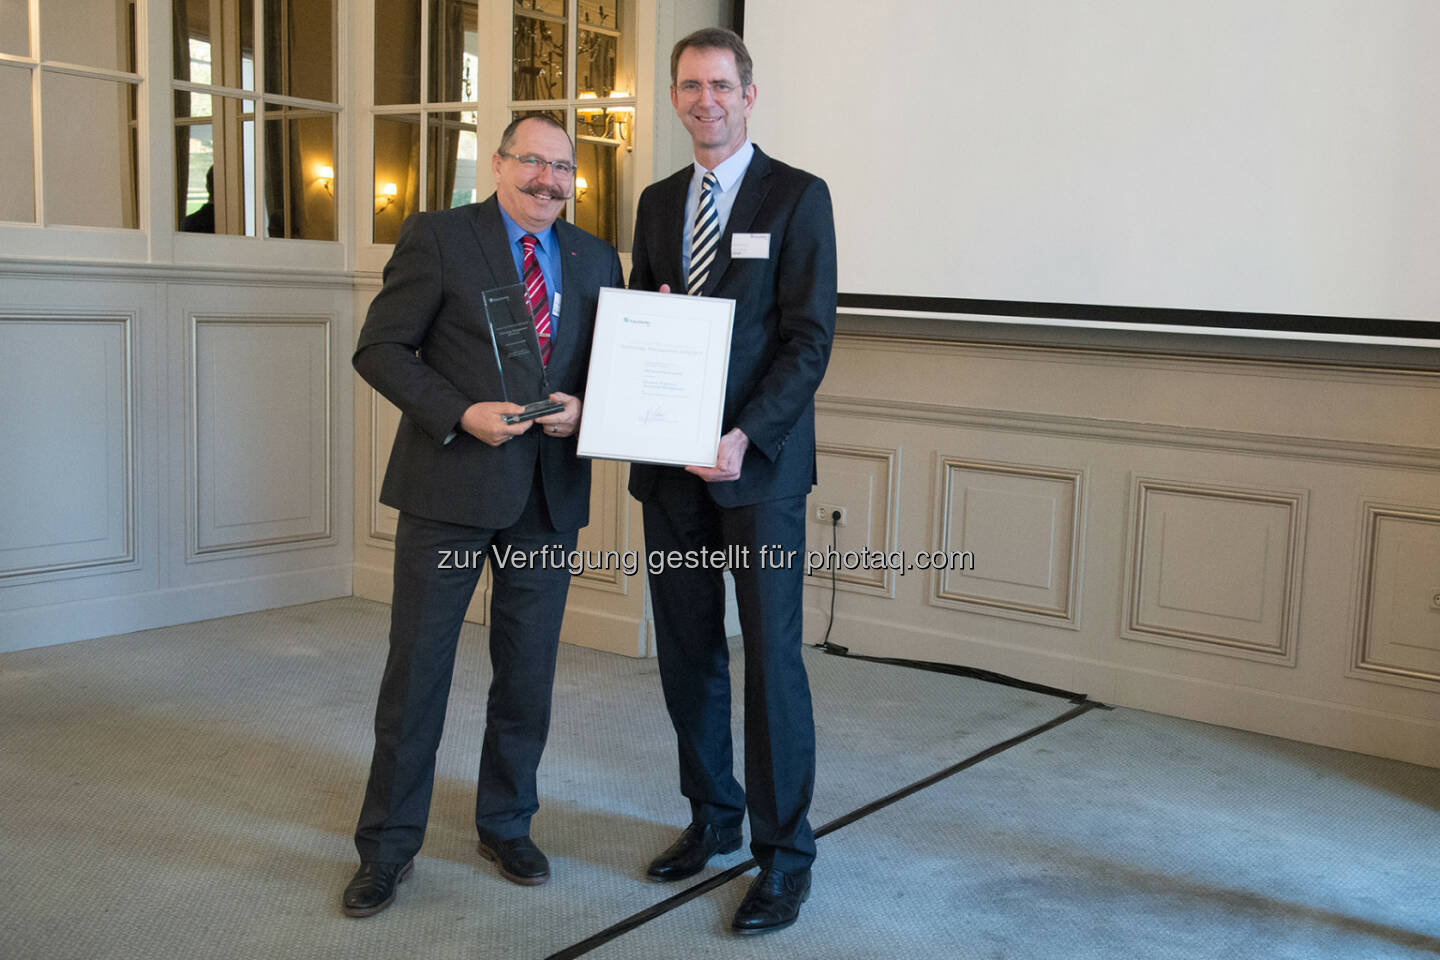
(563, 345)
(494, 246)
(753, 187)
(673, 224)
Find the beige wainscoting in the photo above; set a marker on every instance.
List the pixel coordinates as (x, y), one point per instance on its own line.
(1240, 533)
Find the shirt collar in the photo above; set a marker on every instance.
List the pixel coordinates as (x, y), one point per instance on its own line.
(729, 171)
(513, 230)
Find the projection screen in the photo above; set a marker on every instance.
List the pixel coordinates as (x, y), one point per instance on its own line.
(1267, 166)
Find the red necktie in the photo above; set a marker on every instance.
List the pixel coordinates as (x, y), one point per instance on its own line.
(536, 296)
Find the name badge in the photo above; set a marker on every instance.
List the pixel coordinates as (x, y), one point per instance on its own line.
(750, 246)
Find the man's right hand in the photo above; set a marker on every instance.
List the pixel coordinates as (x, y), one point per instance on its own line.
(482, 421)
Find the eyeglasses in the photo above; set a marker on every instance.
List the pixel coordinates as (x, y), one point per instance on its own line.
(718, 88)
(537, 165)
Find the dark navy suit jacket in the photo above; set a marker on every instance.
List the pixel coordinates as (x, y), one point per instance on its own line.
(426, 347)
(784, 318)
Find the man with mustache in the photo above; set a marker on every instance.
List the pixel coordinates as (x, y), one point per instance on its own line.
(740, 225)
(467, 484)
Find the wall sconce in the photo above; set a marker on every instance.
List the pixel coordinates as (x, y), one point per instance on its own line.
(581, 185)
(589, 113)
(386, 197)
(622, 117)
(325, 176)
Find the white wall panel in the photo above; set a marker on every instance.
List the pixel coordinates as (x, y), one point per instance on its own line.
(260, 391)
(67, 430)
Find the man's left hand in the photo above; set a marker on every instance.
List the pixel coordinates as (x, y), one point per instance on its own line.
(728, 458)
(564, 423)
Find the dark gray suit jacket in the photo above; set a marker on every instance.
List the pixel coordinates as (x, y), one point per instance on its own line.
(426, 347)
(784, 318)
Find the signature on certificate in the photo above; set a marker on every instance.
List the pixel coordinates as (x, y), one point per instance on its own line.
(655, 415)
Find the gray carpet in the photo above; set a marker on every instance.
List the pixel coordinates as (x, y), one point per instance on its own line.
(189, 793)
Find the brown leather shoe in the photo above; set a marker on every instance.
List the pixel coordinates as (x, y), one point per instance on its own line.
(520, 861)
(773, 901)
(372, 889)
(688, 855)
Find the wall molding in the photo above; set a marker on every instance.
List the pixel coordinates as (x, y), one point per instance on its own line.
(944, 593)
(84, 619)
(1321, 369)
(887, 461)
(1350, 452)
(126, 558)
(1365, 662)
(608, 531)
(1144, 587)
(213, 274)
(325, 536)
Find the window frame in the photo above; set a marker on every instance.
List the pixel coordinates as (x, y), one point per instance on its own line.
(265, 103)
(39, 67)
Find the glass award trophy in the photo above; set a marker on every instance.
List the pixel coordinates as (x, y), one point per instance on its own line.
(517, 353)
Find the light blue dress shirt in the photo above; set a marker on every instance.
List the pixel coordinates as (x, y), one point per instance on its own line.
(729, 172)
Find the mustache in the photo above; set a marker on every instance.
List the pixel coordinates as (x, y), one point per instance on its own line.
(545, 193)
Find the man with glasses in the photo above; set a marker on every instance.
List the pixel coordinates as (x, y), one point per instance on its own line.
(469, 484)
(740, 225)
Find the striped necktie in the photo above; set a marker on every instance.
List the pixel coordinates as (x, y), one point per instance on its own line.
(536, 296)
(706, 236)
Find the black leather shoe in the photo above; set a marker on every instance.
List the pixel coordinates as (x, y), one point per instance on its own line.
(773, 901)
(372, 889)
(688, 855)
(519, 859)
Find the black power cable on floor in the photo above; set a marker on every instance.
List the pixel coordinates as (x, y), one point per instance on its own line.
(834, 582)
(953, 669)
(720, 879)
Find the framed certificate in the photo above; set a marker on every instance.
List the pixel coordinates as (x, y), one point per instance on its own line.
(656, 389)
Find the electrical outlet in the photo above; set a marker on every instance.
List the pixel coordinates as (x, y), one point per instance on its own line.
(823, 512)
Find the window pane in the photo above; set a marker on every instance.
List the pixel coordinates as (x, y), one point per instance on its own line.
(595, 62)
(454, 51)
(15, 27)
(539, 53)
(300, 174)
(397, 174)
(17, 147)
(557, 115)
(596, 203)
(193, 105)
(106, 40)
(195, 177)
(214, 165)
(451, 178)
(397, 51)
(604, 49)
(549, 8)
(90, 151)
(192, 48)
(300, 48)
(220, 49)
